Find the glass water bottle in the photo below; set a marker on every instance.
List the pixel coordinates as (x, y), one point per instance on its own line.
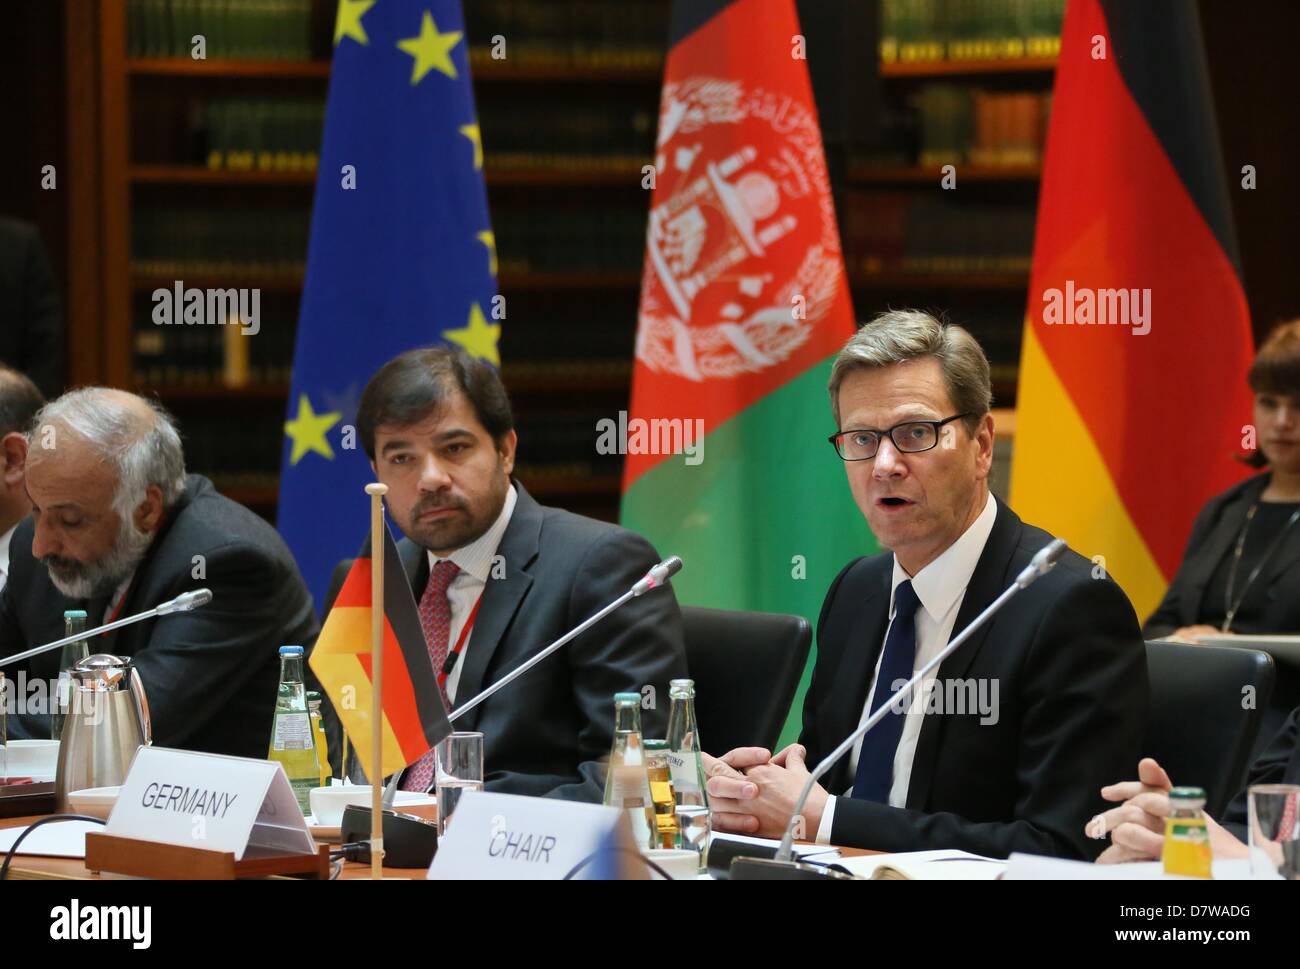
(74, 621)
(627, 785)
(292, 744)
(684, 758)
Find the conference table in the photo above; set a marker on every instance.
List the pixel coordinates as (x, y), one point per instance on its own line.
(39, 867)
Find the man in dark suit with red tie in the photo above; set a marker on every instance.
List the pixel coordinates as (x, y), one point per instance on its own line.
(1005, 746)
(498, 577)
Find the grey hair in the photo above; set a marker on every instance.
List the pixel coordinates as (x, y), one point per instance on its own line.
(140, 455)
(896, 336)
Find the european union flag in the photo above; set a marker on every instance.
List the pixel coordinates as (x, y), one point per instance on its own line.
(401, 254)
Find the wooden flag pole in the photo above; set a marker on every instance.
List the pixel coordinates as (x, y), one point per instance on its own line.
(376, 491)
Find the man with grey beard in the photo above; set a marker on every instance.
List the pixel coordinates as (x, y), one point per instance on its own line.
(116, 528)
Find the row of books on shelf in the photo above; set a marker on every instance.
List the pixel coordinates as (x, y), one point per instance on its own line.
(568, 239)
(963, 264)
(191, 362)
(629, 167)
(259, 135)
(935, 30)
(258, 490)
(205, 432)
(539, 336)
(958, 124)
(254, 241)
(552, 479)
(557, 439)
(595, 33)
(544, 129)
(234, 29)
(214, 356)
(573, 374)
(892, 231)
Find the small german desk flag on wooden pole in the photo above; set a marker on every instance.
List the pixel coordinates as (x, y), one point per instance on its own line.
(412, 715)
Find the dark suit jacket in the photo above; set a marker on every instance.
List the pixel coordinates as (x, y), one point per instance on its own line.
(31, 321)
(1278, 764)
(210, 675)
(1213, 535)
(547, 733)
(1072, 689)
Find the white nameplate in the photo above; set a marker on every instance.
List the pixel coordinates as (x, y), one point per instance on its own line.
(508, 836)
(183, 797)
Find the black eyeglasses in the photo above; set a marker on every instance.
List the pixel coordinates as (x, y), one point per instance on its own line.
(909, 437)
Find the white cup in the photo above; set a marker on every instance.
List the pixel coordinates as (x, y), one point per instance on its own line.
(682, 864)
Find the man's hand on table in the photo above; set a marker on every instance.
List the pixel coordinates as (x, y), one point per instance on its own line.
(753, 793)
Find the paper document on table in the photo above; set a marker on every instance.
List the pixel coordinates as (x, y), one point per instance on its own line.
(1033, 867)
(947, 865)
(58, 839)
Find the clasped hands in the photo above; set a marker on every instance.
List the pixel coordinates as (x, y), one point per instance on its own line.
(1137, 826)
(753, 793)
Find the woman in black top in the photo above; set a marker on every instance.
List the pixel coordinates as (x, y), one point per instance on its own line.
(1241, 570)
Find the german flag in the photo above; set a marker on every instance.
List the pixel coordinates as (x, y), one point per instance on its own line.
(1133, 393)
(415, 718)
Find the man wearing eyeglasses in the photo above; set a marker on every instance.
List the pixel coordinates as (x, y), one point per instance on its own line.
(1005, 747)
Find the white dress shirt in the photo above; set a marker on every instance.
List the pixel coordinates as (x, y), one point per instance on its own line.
(4, 556)
(475, 562)
(940, 587)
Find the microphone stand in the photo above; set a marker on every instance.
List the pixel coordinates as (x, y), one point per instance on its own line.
(182, 603)
(653, 579)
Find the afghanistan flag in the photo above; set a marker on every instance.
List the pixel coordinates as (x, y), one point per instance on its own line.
(401, 254)
(744, 303)
(415, 719)
(1137, 340)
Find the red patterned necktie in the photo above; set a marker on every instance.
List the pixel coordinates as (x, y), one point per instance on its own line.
(435, 619)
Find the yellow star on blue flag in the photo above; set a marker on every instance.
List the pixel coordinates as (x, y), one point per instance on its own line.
(431, 50)
(307, 431)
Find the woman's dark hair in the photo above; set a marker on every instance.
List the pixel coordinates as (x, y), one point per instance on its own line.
(1276, 370)
(410, 387)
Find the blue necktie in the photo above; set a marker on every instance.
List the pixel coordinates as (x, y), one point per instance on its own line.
(876, 762)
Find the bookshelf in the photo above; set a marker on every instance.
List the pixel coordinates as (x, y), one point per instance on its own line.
(926, 69)
(568, 119)
(966, 84)
(178, 152)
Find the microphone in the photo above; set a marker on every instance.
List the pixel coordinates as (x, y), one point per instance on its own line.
(1042, 562)
(185, 602)
(656, 577)
(182, 603)
(782, 867)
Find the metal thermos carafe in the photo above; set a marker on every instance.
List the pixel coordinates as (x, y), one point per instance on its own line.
(107, 723)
